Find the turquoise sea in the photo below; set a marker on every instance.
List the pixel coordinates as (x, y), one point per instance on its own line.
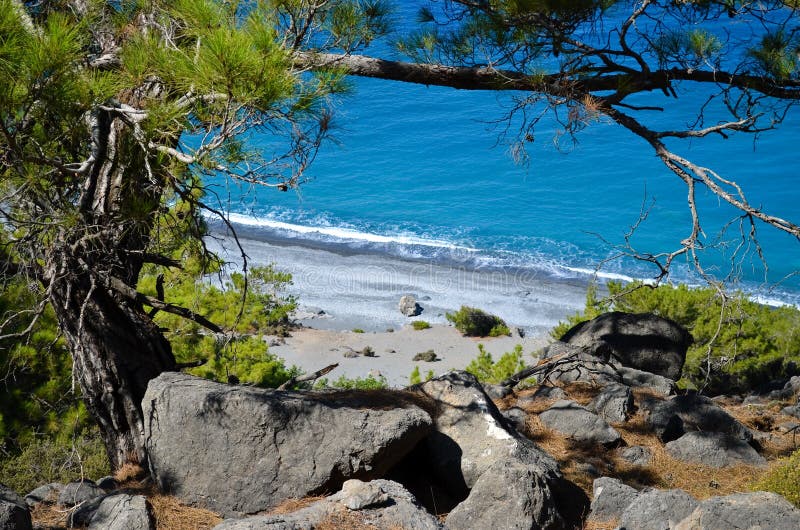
(424, 173)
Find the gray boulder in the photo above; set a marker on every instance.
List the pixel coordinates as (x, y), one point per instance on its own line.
(714, 449)
(576, 422)
(792, 410)
(381, 503)
(270, 445)
(614, 403)
(471, 439)
(123, 512)
(508, 495)
(81, 515)
(14, 513)
(516, 417)
(636, 455)
(640, 379)
(610, 498)
(639, 340)
(657, 510)
(743, 511)
(497, 391)
(409, 307)
(671, 418)
(47, 493)
(79, 492)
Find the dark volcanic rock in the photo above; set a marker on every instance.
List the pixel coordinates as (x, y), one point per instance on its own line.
(614, 403)
(14, 513)
(48, 493)
(743, 511)
(714, 449)
(639, 340)
(270, 445)
(672, 418)
(569, 418)
(78, 492)
(637, 455)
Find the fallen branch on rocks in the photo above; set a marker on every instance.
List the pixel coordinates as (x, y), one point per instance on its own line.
(558, 364)
(308, 377)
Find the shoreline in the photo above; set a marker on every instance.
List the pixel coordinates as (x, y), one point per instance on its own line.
(338, 293)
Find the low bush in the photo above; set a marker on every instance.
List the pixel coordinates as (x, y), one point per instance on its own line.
(358, 383)
(488, 371)
(783, 478)
(419, 325)
(474, 322)
(756, 344)
(358, 330)
(427, 356)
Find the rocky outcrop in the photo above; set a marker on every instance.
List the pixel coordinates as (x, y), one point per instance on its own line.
(473, 448)
(270, 445)
(409, 307)
(123, 512)
(48, 493)
(743, 511)
(714, 449)
(639, 340)
(576, 422)
(14, 513)
(380, 503)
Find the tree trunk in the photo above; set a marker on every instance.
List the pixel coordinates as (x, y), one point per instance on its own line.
(116, 351)
(116, 347)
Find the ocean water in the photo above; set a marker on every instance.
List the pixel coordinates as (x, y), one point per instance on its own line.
(424, 173)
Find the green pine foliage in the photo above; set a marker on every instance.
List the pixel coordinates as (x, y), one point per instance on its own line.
(419, 325)
(739, 344)
(415, 378)
(474, 322)
(487, 370)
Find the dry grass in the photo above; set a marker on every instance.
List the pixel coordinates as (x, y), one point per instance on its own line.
(600, 525)
(129, 472)
(292, 505)
(49, 516)
(170, 514)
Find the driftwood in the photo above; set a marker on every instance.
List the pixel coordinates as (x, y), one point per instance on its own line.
(555, 365)
(308, 377)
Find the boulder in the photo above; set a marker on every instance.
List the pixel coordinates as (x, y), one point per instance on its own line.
(497, 391)
(270, 445)
(79, 492)
(471, 438)
(657, 510)
(639, 340)
(610, 497)
(576, 364)
(508, 495)
(47, 493)
(516, 417)
(576, 422)
(640, 379)
(743, 511)
(380, 503)
(636, 455)
(671, 418)
(614, 403)
(82, 514)
(107, 483)
(14, 513)
(123, 512)
(792, 410)
(409, 307)
(714, 449)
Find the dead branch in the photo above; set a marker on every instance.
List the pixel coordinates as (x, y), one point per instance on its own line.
(308, 377)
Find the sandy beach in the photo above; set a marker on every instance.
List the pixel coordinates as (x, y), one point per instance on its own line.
(342, 291)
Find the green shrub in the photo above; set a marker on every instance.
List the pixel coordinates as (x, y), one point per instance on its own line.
(358, 330)
(488, 371)
(474, 322)
(359, 383)
(415, 378)
(427, 356)
(756, 343)
(783, 478)
(50, 459)
(419, 325)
